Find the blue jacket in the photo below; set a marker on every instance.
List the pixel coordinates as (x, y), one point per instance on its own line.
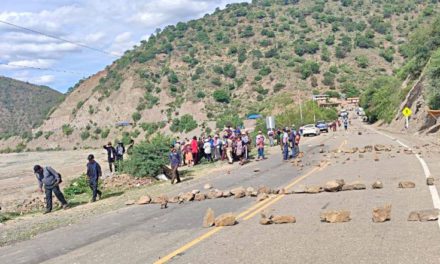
(93, 170)
(48, 177)
(174, 159)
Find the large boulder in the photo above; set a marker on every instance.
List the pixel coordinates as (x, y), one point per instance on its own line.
(406, 184)
(239, 192)
(199, 197)
(226, 194)
(382, 214)
(283, 219)
(424, 215)
(430, 180)
(354, 186)
(262, 197)
(334, 186)
(187, 197)
(144, 200)
(227, 219)
(335, 216)
(264, 189)
(313, 189)
(209, 219)
(377, 185)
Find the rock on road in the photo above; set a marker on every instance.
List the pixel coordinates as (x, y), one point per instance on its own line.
(146, 234)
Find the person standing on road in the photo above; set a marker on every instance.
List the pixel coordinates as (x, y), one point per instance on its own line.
(50, 179)
(111, 154)
(346, 124)
(120, 150)
(175, 163)
(285, 144)
(260, 145)
(93, 173)
(207, 148)
(246, 145)
(271, 135)
(195, 150)
(292, 137)
(297, 139)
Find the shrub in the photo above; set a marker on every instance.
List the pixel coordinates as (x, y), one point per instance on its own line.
(104, 133)
(216, 81)
(148, 157)
(38, 134)
(136, 116)
(200, 94)
(77, 186)
(247, 32)
(362, 61)
(230, 71)
(172, 78)
(228, 119)
(85, 135)
(221, 96)
(309, 68)
(278, 87)
(265, 71)
(329, 79)
(67, 129)
(185, 124)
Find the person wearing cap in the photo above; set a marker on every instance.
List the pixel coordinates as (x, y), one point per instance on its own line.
(93, 173)
(111, 154)
(175, 161)
(260, 145)
(50, 179)
(120, 150)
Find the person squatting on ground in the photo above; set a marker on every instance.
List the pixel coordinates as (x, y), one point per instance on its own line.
(50, 179)
(93, 174)
(111, 154)
(175, 160)
(120, 151)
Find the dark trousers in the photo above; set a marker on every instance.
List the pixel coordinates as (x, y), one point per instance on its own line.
(111, 163)
(285, 152)
(56, 190)
(118, 162)
(176, 176)
(209, 157)
(93, 183)
(195, 157)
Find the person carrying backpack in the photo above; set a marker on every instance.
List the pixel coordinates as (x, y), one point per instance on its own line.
(50, 179)
(93, 173)
(111, 154)
(120, 150)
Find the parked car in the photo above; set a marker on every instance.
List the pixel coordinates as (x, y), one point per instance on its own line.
(323, 126)
(310, 129)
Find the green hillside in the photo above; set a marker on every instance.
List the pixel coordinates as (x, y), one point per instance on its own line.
(24, 106)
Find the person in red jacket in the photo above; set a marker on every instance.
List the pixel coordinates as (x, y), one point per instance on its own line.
(195, 150)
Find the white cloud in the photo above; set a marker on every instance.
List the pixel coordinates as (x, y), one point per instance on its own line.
(124, 37)
(44, 79)
(108, 25)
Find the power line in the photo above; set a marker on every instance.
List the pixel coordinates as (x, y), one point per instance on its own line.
(42, 69)
(58, 38)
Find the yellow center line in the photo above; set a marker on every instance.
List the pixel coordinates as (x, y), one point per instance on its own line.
(249, 212)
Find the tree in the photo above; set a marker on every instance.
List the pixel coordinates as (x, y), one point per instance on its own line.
(221, 96)
(362, 61)
(136, 116)
(230, 71)
(148, 157)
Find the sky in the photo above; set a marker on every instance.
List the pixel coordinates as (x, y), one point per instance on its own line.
(111, 26)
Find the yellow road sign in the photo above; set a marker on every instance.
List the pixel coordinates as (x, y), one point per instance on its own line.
(406, 112)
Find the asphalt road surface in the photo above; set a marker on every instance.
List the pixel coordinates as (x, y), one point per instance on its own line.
(147, 234)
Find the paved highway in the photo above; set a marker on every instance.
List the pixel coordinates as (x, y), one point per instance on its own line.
(146, 234)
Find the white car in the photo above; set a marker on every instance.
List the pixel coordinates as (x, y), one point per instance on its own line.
(310, 129)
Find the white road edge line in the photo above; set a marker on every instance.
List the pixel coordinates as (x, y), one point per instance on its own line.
(432, 189)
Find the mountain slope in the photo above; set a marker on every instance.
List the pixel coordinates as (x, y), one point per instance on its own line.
(24, 105)
(247, 58)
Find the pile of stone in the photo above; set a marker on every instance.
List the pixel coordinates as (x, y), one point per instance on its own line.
(34, 205)
(125, 181)
(424, 215)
